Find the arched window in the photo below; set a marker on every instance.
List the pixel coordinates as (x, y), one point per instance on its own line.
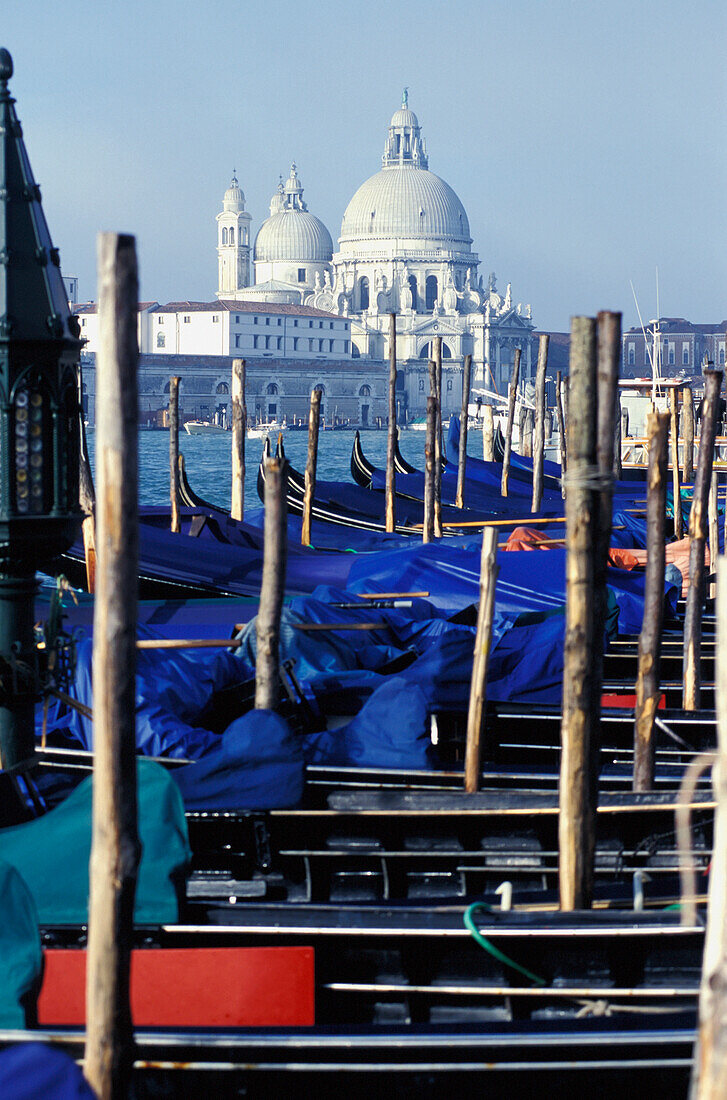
(427, 351)
(321, 388)
(363, 292)
(272, 388)
(224, 235)
(414, 293)
(232, 236)
(160, 339)
(365, 391)
(222, 388)
(355, 353)
(432, 289)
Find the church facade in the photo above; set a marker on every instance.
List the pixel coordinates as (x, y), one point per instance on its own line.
(404, 247)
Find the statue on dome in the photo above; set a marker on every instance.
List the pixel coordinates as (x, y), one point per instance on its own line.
(318, 280)
(508, 296)
(327, 280)
(492, 283)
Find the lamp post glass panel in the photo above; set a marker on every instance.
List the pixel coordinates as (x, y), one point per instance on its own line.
(39, 424)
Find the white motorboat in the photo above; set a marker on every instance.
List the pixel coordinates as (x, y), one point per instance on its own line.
(261, 429)
(203, 427)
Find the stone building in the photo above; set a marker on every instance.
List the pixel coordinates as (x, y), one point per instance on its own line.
(682, 347)
(275, 388)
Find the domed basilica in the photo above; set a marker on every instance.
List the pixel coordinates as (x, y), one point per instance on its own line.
(404, 247)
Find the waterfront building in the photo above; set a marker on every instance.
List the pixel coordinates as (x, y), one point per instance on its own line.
(249, 330)
(683, 347)
(277, 389)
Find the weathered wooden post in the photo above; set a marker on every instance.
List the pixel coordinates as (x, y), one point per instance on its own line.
(539, 438)
(174, 452)
(429, 459)
(617, 441)
(488, 433)
(674, 407)
(561, 421)
(526, 436)
(438, 440)
(391, 437)
(713, 529)
(462, 462)
(647, 682)
(239, 431)
(688, 433)
(483, 643)
(314, 417)
(115, 846)
(512, 394)
(709, 1065)
(608, 340)
(691, 672)
(576, 824)
(272, 589)
(624, 424)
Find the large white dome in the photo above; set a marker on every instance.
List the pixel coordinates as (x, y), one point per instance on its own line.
(293, 235)
(405, 202)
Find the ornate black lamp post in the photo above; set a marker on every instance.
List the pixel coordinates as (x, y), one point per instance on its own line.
(39, 425)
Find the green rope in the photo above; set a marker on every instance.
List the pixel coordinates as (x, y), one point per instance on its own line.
(478, 906)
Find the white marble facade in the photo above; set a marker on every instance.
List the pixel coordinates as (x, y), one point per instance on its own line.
(404, 247)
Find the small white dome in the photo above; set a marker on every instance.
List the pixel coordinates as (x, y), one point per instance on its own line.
(234, 196)
(404, 117)
(293, 235)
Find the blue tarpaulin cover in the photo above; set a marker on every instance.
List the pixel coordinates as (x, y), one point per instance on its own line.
(36, 1071)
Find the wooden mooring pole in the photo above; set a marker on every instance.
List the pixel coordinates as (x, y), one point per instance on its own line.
(311, 465)
(429, 460)
(608, 351)
(391, 437)
(576, 823)
(512, 395)
(688, 433)
(483, 644)
(647, 682)
(239, 431)
(709, 1065)
(115, 845)
(463, 425)
(617, 440)
(561, 422)
(539, 437)
(713, 529)
(488, 433)
(174, 452)
(676, 491)
(438, 439)
(691, 670)
(272, 589)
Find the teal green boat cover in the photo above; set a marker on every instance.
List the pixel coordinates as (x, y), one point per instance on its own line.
(52, 852)
(20, 954)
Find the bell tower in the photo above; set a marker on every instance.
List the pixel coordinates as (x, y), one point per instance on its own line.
(233, 242)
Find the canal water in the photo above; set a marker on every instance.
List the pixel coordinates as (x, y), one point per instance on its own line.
(208, 460)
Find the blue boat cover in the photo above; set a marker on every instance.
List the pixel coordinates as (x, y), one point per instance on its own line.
(37, 1071)
(257, 764)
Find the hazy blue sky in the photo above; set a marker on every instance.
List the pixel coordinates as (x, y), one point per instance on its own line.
(586, 140)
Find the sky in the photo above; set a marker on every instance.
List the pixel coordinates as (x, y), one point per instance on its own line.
(586, 139)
